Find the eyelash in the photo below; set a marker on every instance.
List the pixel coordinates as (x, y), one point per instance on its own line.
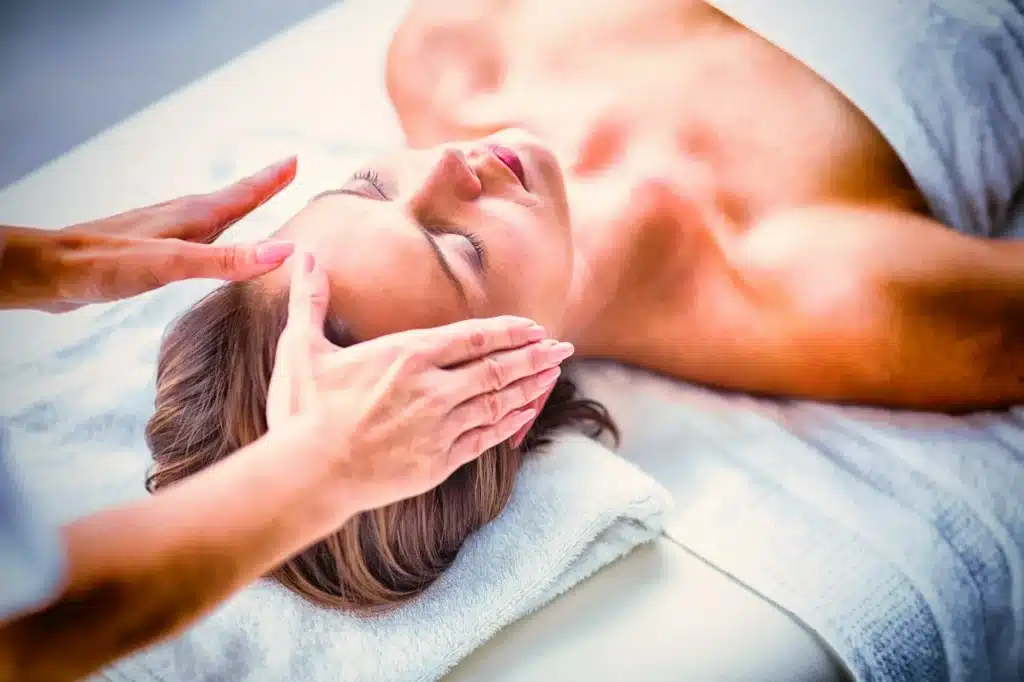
(473, 238)
(370, 176)
(477, 243)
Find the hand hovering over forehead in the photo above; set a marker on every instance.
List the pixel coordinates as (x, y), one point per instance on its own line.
(140, 250)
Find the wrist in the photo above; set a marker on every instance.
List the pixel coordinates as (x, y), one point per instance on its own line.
(31, 274)
(302, 472)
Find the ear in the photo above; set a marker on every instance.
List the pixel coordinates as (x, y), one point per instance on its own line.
(538, 404)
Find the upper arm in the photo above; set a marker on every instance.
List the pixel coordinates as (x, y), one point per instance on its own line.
(869, 306)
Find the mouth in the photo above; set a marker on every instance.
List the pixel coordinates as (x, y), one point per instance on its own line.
(512, 161)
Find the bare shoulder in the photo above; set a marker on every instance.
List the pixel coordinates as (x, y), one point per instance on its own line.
(825, 300)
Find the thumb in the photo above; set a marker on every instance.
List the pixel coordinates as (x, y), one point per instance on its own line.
(293, 381)
(309, 296)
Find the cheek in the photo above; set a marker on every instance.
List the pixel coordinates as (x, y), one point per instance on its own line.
(532, 277)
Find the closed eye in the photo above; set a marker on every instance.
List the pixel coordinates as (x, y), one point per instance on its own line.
(373, 179)
(365, 183)
(446, 267)
(479, 250)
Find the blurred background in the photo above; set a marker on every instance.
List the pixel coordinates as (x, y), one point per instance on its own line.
(71, 68)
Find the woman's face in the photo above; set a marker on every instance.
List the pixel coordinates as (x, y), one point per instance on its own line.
(423, 238)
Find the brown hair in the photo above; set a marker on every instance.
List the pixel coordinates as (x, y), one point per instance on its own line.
(211, 391)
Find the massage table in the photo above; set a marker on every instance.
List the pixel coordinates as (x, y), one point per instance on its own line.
(661, 612)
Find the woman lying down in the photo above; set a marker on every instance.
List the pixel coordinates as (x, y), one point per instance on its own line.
(689, 198)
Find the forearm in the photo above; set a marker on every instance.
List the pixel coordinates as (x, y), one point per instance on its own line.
(143, 572)
(29, 267)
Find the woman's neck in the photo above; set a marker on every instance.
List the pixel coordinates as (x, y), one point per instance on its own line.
(640, 238)
(605, 250)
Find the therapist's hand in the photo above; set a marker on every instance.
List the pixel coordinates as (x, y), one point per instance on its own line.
(393, 417)
(140, 250)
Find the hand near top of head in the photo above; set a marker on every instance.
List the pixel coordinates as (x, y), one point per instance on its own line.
(140, 250)
(393, 417)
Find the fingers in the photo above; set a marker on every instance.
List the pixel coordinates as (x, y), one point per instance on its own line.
(171, 260)
(206, 217)
(491, 408)
(302, 337)
(472, 339)
(309, 297)
(199, 218)
(475, 442)
(496, 371)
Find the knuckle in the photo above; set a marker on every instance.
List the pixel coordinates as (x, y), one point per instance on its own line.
(230, 259)
(171, 266)
(516, 397)
(494, 372)
(537, 358)
(492, 407)
(477, 340)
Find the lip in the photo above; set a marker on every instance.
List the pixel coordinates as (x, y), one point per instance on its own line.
(512, 161)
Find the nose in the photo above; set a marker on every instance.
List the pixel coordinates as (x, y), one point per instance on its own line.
(449, 181)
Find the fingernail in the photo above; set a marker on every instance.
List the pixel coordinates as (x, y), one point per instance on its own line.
(549, 376)
(273, 252)
(272, 171)
(536, 332)
(562, 350)
(525, 415)
(278, 166)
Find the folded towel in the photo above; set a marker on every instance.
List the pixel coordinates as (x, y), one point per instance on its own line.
(576, 507)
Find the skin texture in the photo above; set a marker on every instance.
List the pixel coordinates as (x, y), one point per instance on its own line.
(707, 236)
(139, 250)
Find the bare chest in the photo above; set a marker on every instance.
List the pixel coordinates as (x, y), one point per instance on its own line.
(662, 82)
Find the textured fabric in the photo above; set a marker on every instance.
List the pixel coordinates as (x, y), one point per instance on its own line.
(31, 556)
(574, 510)
(943, 80)
(897, 537)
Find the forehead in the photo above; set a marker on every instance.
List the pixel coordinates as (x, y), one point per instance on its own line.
(383, 274)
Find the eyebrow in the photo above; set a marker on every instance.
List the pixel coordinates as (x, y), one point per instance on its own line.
(446, 267)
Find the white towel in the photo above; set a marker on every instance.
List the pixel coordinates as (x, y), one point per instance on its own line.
(575, 508)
